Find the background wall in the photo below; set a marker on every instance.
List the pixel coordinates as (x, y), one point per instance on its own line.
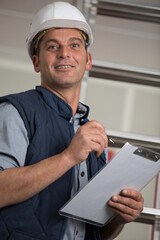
(119, 106)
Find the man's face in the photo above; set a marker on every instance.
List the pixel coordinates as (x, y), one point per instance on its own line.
(62, 59)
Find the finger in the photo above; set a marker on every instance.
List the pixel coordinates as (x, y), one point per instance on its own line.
(92, 127)
(127, 201)
(100, 139)
(125, 217)
(126, 212)
(127, 208)
(134, 194)
(96, 133)
(95, 125)
(124, 205)
(95, 136)
(98, 144)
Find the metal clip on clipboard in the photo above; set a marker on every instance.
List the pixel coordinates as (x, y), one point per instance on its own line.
(148, 154)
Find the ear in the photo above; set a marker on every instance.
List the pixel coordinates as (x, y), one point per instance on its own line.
(89, 61)
(35, 61)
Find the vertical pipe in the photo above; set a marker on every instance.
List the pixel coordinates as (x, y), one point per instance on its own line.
(156, 227)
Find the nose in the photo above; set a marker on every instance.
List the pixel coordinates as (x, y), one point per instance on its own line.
(63, 52)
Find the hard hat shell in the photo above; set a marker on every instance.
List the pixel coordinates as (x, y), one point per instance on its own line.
(58, 15)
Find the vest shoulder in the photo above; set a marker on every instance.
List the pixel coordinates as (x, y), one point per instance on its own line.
(30, 107)
(28, 99)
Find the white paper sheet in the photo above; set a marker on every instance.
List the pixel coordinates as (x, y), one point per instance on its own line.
(126, 170)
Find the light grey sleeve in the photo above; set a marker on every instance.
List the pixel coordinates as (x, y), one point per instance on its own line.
(106, 154)
(13, 137)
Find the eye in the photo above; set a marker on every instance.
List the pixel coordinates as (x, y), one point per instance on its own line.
(52, 47)
(75, 45)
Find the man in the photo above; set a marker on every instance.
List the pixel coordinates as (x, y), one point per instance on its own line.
(46, 151)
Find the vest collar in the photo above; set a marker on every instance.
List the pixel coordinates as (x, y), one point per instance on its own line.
(58, 104)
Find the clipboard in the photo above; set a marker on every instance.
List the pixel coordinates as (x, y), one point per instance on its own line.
(132, 167)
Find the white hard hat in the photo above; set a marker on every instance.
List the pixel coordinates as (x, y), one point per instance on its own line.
(58, 15)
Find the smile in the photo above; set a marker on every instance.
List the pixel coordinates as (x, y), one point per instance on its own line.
(63, 66)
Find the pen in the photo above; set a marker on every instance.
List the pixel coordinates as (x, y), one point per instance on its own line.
(83, 121)
(110, 140)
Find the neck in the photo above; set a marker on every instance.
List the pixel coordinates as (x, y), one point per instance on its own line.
(68, 95)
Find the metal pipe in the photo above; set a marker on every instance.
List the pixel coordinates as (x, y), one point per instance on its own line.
(149, 216)
(120, 138)
(129, 10)
(125, 73)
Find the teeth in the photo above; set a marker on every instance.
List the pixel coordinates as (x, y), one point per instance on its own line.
(65, 66)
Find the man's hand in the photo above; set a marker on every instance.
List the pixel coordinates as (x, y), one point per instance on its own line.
(89, 137)
(128, 205)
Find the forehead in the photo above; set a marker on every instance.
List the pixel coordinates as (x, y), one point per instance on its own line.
(61, 34)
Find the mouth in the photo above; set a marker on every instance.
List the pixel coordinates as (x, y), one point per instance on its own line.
(63, 67)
